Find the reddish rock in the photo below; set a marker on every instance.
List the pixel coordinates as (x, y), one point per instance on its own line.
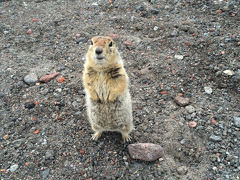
(113, 36)
(128, 43)
(182, 101)
(29, 31)
(145, 151)
(192, 124)
(48, 77)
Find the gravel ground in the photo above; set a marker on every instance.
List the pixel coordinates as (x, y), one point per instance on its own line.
(170, 48)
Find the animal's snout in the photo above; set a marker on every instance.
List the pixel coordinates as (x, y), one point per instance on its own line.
(99, 51)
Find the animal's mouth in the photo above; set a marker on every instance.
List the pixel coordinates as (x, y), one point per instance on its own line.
(99, 57)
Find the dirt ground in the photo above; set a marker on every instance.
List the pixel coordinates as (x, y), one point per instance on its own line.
(170, 48)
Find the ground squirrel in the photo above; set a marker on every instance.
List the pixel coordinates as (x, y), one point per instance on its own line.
(108, 100)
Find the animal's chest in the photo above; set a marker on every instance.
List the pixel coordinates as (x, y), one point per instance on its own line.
(101, 86)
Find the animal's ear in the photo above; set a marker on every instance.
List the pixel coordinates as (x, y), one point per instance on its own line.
(110, 44)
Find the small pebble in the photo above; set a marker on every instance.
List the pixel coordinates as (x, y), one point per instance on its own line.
(208, 90)
(13, 167)
(228, 72)
(182, 170)
(155, 11)
(155, 28)
(215, 138)
(31, 78)
(192, 124)
(237, 121)
(48, 77)
(182, 101)
(190, 109)
(29, 31)
(29, 105)
(180, 57)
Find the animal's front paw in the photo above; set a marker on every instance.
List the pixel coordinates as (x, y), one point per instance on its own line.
(126, 138)
(96, 135)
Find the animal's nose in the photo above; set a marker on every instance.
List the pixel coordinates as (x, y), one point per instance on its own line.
(98, 51)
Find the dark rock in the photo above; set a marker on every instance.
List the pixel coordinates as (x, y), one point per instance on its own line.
(215, 138)
(182, 101)
(29, 105)
(155, 11)
(145, 151)
(1, 95)
(140, 8)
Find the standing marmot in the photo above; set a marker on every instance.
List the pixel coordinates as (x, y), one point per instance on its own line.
(108, 100)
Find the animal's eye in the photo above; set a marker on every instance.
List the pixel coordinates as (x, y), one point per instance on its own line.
(110, 44)
(91, 43)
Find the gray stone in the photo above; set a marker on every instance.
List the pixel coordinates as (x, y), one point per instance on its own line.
(237, 121)
(49, 154)
(190, 109)
(145, 151)
(215, 138)
(182, 170)
(208, 90)
(31, 78)
(13, 167)
(45, 173)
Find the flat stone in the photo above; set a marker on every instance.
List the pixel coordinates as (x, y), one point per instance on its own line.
(182, 101)
(49, 154)
(31, 78)
(228, 72)
(215, 138)
(180, 57)
(45, 173)
(145, 151)
(190, 109)
(208, 90)
(237, 121)
(13, 167)
(182, 170)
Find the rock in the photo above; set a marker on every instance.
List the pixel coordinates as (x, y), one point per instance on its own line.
(155, 11)
(29, 105)
(215, 138)
(182, 142)
(182, 170)
(174, 33)
(192, 124)
(180, 57)
(182, 101)
(140, 8)
(81, 40)
(49, 154)
(29, 31)
(208, 90)
(228, 72)
(13, 167)
(237, 121)
(190, 109)
(145, 151)
(1, 94)
(155, 28)
(31, 78)
(45, 173)
(49, 77)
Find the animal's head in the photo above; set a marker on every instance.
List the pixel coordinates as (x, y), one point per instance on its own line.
(102, 50)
